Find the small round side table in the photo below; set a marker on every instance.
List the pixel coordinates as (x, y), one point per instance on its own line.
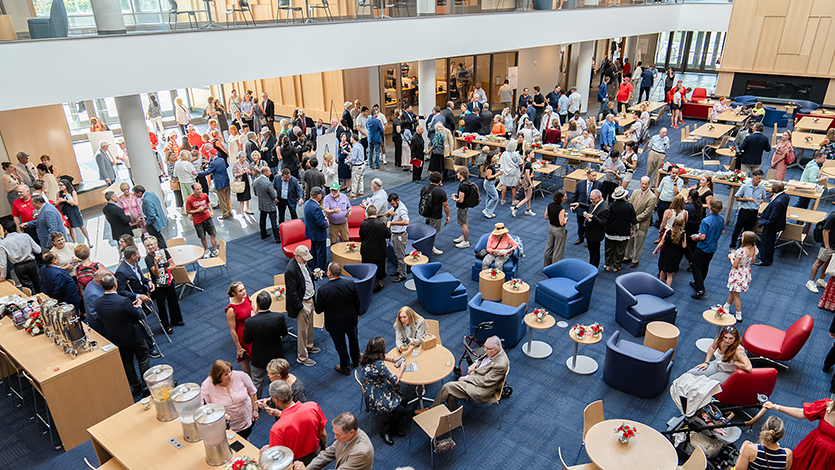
(410, 284)
(582, 365)
(537, 349)
(516, 297)
(490, 287)
(710, 316)
(661, 336)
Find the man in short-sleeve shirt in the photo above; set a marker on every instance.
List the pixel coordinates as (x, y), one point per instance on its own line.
(198, 206)
(438, 205)
(707, 238)
(337, 208)
(824, 254)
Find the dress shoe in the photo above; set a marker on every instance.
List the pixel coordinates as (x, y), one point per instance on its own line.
(169, 330)
(378, 288)
(384, 433)
(760, 263)
(306, 362)
(155, 354)
(399, 279)
(313, 350)
(179, 323)
(394, 274)
(698, 294)
(634, 264)
(342, 371)
(693, 284)
(627, 260)
(580, 240)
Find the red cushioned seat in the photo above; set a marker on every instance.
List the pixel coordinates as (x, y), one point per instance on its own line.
(776, 344)
(354, 222)
(292, 235)
(698, 94)
(742, 388)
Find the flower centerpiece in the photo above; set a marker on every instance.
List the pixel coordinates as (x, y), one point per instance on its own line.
(494, 272)
(539, 314)
(719, 311)
(469, 138)
(515, 284)
(580, 331)
(808, 138)
(736, 177)
(710, 127)
(279, 292)
(536, 145)
(415, 255)
(242, 463)
(596, 329)
(318, 273)
(34, 324)
(350, 247)
(625, 432)
(815, 120)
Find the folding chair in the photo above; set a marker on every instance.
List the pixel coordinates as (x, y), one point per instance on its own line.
(184, 278)
(291, 11)
(175, 12)
(243, 8)
(36, 390)
(218, 262)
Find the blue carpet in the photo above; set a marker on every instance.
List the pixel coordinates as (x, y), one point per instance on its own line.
(545, 411)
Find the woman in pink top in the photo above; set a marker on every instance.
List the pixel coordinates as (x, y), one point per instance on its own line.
(235, 391)
(783, 156)
(500, 245)
(132, 206)
(719, 108)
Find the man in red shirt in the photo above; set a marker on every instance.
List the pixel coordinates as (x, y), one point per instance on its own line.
(301, 427)
(624, 94)
(195, 139)
(201, 215)
(22, 208)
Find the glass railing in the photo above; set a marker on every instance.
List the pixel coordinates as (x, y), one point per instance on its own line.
(154, 16)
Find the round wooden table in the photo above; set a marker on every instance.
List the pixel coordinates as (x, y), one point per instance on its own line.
(342, 256)
(648, 450)
(490, 287)
(537, 349)
(516, 297)
(433, 365)
(410, 284)
(710, 316)
(278, 305)
(582, 365)
(661, 336)
(725, 152)
(185, 254)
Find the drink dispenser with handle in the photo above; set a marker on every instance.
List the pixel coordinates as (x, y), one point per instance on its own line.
(211, 423)
(276, 458)
(187, 399)
(160, 380)
(47, 309)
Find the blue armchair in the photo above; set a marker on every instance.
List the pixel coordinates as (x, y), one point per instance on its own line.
(421, 238)
(508, 321)
(774, 116)
(511, 268)
(806, 106)
(363, 274)
(640, 300)
(567, 291)
(636, 369)
(438, 293)
(56, 26)
(745, 100)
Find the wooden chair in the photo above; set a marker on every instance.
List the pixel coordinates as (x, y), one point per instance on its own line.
(433, 328)
(592, 415)
(438, 421)
(585, 466)
(278, 280)
(697, 460)
(449, 164)
(26, 291)
(184, 278)
(497, 396)
(774, 136)
(218, 262)
(731, 165)
(363, 408)
(793, 234)
(686, 138)
(714, 146)
(179, 241)
(319, 324)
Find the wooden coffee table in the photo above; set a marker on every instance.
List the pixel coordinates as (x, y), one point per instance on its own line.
(537, 349)
(278, 305)
(410, 284)
(490, 287)
(516, 297)
(582, 365)
(709, 316)
(342, 256)
(648, 450)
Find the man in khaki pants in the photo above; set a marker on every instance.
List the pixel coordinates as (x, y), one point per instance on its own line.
(300, 301)
(643, 200)
(658, 146)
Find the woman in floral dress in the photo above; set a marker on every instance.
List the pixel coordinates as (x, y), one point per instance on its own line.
(740, 276)
(782, 154)
(383, 393)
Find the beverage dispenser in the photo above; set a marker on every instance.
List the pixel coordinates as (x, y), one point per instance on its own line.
(160, 380)
(187, 399)
(211, 423)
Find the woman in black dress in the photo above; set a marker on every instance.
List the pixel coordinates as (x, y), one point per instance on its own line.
(672, 248)
(695, 213)
(344, 169)
(436, 159)
(397, 138)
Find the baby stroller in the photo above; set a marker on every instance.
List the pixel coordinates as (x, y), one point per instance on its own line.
(707, 423)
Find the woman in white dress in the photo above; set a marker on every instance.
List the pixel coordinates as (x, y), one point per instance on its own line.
(330, 171)
(234, 140)
(510, 162)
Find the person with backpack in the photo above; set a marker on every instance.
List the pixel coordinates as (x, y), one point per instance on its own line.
(467, 196)
(824, 233)
(85, 270)
(433, 201)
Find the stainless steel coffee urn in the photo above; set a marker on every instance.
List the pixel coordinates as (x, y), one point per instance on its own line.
(47, 309)
(73, 334)
(187, 399)
(160, 380)
(211, 423)
(276, 458)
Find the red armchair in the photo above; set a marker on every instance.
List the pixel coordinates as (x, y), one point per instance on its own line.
(292, 235)
(772, 344)
(742, 388)
(354, 222)
(698, 94)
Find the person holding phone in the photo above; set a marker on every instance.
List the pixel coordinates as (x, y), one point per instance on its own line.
(382, 390)
(409, 328)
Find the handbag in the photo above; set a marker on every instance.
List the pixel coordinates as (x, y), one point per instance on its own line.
(237, 186)
(445, 444)
(175, 183)
(481, 254)
(830, 268)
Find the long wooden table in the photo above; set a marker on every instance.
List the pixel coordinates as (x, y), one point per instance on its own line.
(822, 112)
(805, 216)
(588, 156)
(799, 140)
(135, 439)
(490, 143)
(808, 123)
(79, 392)
(652, 106)
(717, 132)
(729, 115)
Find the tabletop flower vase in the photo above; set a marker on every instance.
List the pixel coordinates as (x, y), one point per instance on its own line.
(494, 272)
(596, 330)
(279, 292)
(243, 463)
(539, 314)
(719, 311)
(415, 255)
(350, 247)
(319, 274)
(580, 331)
(34, 324)
(515, 284)
(625, 432)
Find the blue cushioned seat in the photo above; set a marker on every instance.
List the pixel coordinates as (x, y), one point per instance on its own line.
(567, 291)
(560, 288)
(438, 293)
(511, 268)
(636, 369)
(421, 237)
(640, 300)
(508, 321)
(56, 26)
(363, 275)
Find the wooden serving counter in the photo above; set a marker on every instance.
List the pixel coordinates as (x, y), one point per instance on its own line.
(79, 392)
(138, 441)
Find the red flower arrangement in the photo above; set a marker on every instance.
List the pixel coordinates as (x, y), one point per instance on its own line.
(515, 284)
(596, 329)
(34, 325)
(279, 292)
(625, 432)
(350, 247)
(580, 331)
(494, 272)
(719, 311)
(415, 255)
(242, 463)
(736, 177)
(539, 314)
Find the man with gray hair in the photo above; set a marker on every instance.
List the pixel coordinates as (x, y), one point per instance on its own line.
(265, 191)
(301, 427)
(484, 378)
(595, 215)
(643, 200)
(378, 198)
(48, 221)
(352, 449)
(104, 161)
(264, 331)
(251, 145)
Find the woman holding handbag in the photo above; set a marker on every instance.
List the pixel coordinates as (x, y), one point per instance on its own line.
(783, 156)
(436, 159)
(241, 172)
(418, 154)
(160, 265)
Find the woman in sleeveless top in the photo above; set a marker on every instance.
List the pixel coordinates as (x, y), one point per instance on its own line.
(817, 450)
(767, 454)
(239, 309)
(555, 215)
(727, 356)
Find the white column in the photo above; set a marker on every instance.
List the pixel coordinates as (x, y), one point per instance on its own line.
(108, 15)
(631, 50)
(143, 162)
(425, 7)
(426, 83)
(584, 73)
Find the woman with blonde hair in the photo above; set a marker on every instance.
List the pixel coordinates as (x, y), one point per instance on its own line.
(279, 369)
(767, 453)
(234, 140)
(525, 184)
(235, 391)
(241, 172)
(675, 210)
(409, 328)
(672, 248)
(436, 157)
(329, 169)
(181, 115)
(132, 206)
(96, 125)
(783, 156)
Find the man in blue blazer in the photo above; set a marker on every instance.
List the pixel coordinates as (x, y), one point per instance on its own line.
(121, 319)
(581, 195)
(375, 139)
(48, 221)
(155, 219)
(217, 168)
(316, 228)
(288, 192)
(57, 283)
(772, 220)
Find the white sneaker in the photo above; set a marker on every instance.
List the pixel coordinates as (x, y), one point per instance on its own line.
(463, 245)
(485, 213)
(207, 253)
(820, 283)
(436, 251)
(459, 239)
(738, 317)
(215, 253)
(812, 287)
(513, 211)
(492, 215)
(530, 213)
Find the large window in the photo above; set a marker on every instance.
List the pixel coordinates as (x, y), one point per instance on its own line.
(134, 12)
(690, 51)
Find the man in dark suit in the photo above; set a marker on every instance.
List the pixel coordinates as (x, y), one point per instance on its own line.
(264, 331)
(116, 217)
(486, 119)
(316, 228)
(121, 320)
(772, 220)
(339, 301)
(135, 286)
(374, 233)
(581, 195)
(301, 298)
(472, 121)
(337, 129)
(57, 283)
(267, 151)
(304, 123)
(752, 149)
(347, 121)
(269, 112)
(595, 216)
(449, 117)
(288, 192)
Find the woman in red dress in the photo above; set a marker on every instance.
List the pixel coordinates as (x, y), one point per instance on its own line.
(817, 450)
(239, 309)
